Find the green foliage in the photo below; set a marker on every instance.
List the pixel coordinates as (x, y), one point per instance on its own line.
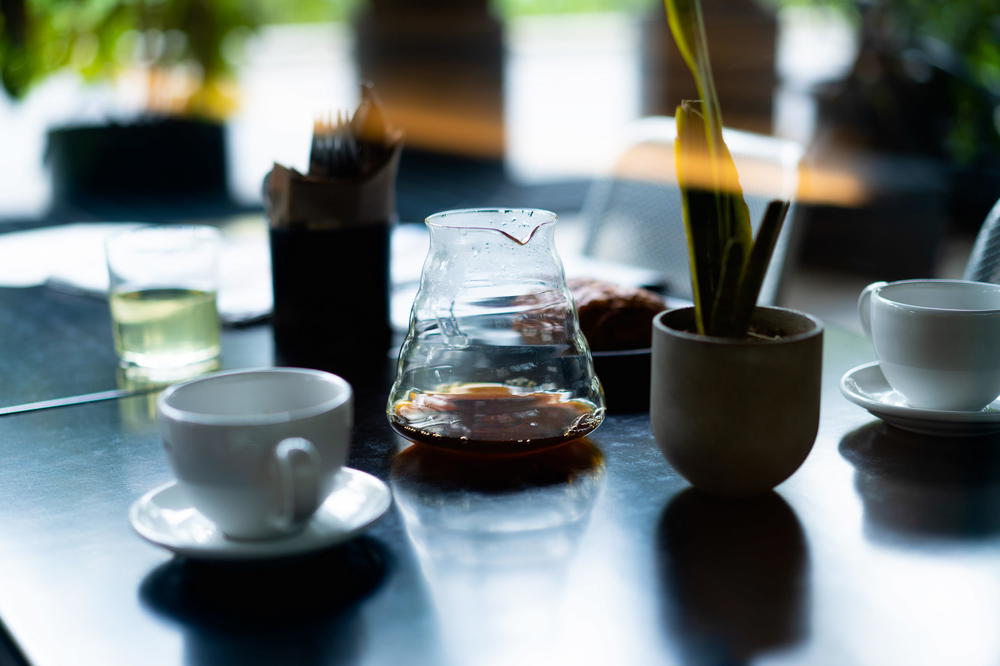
(727, 264)
(961, 37)
(967, 29)
(100, 38)
(530, 7)
(309, 11)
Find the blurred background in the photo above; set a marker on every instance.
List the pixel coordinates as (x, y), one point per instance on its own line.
(175, 109)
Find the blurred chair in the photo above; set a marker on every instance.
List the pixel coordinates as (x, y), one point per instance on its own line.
(984, 260)
(633, 215)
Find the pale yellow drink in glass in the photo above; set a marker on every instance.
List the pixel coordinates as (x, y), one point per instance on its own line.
(165, 328)
(163, 284)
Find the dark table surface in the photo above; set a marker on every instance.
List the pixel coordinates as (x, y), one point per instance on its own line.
(884, 548)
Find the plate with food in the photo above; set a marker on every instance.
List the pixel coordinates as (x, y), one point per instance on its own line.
(617, 322)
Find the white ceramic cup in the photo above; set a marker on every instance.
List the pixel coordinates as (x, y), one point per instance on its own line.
(937, 341)
(257, 451)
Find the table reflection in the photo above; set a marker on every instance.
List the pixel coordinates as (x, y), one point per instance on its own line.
(918, 488)
(734, 577)
(137, 413)
(301, 611)
(495, 537)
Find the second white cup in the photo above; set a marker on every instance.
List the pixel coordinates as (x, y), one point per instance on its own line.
(257, 451)
(937, 341)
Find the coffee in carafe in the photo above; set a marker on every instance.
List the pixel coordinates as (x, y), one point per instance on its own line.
(493, 418)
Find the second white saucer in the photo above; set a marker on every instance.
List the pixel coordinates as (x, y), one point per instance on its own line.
(866, 386)
(165, 517)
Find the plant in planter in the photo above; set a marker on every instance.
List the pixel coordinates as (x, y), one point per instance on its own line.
(924, 84)
(175, 51)
(735, 387)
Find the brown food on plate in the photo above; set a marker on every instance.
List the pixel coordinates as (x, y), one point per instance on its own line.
(614, 317)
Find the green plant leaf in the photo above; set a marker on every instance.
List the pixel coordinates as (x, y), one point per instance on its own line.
(688, 28)
(716, 223)
(756, 266)
(723, 324)
(716, 217)
(697, 210)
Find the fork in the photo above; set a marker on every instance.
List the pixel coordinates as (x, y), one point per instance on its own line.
(334, 149)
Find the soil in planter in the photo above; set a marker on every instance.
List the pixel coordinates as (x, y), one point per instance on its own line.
(493, 418)
(755, 334)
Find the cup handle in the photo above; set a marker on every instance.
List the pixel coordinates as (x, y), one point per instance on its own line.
(865, 306)
(298, 466)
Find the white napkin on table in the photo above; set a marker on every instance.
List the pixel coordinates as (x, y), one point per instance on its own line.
(71, 258)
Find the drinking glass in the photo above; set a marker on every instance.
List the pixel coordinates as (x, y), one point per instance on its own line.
(162, 294)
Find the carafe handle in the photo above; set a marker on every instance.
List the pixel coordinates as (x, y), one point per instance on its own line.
(448, 325)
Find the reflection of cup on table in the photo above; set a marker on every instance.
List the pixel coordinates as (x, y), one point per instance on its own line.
(257, 451)
(162, 293)
(937, 341)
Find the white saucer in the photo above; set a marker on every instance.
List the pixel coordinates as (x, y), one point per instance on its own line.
(865, 385)
(165, 517)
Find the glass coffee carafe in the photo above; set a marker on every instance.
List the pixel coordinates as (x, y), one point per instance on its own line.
(494, 360)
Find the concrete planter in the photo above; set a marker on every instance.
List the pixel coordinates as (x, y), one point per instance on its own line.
(153, 163)
(736, 417)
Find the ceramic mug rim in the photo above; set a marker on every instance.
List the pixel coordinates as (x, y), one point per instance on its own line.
(934, 309)
(170, 412)
(816, 329)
